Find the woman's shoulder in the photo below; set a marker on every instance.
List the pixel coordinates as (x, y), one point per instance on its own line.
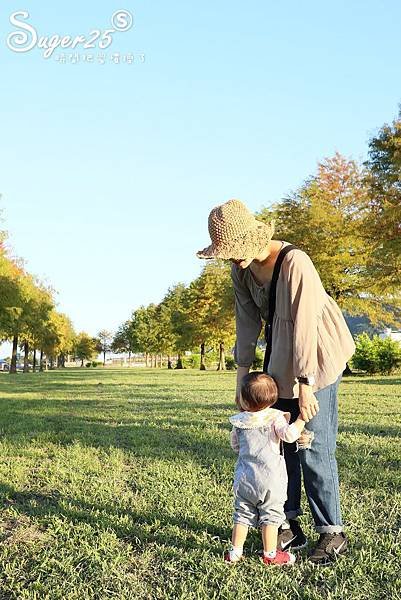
(298, 259)
(295, 254)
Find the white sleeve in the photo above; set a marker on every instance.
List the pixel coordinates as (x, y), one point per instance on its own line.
(284, 431)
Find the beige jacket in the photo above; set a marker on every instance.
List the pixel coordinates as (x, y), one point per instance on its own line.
(310, 335)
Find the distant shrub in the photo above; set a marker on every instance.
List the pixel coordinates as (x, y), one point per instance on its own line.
(376, 355)
(89, 364)
(211, 358)
(365, 358)
(230, 363)
(191, 362)
(388, 355)
(95, 363)
(257, 364)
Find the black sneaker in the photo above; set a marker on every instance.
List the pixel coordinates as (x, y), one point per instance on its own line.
(329, 547)
(292, 538)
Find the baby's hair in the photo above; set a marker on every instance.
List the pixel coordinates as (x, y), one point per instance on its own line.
(258, 391)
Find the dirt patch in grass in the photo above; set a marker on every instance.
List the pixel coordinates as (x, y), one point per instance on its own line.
(20, 530)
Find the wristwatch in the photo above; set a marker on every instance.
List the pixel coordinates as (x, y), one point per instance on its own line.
(307, 380)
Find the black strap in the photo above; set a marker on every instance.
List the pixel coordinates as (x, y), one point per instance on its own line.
(272, 303)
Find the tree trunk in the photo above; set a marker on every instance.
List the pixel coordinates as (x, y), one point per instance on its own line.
(13, 366)
(179, 364)
(146, 359)
(34, 361)
(41, 361)
(104, 358)
(62, 360)
(169, 365)
(51, 363)
(161, 361)
(222, 358)
(82, 362)
(26, 358)
(129, 358)
(202, 357)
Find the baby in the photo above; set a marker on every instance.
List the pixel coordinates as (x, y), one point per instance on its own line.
(260, 480)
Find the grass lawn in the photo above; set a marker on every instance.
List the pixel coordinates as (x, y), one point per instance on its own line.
(117, 484)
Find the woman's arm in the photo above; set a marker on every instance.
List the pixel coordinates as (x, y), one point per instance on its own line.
(241, 372)
(248, 325)
(304, 282)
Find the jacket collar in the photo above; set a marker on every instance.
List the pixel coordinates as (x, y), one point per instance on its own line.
(254, 420)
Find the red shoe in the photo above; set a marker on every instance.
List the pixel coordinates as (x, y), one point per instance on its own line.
(281, 559)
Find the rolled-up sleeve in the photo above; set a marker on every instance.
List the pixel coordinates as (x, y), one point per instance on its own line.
(284, 431)
(248, 322)
(303, 285)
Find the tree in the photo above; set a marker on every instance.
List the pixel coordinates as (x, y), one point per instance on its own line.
(27, 315)
(123, 341)
(143, 329)
(56, 339)
(66, 337)
(30, 303)
(173, 323)
(84, 347)
(11, 299)
(36, 318)
(211, 314)
(105, 338)
(326, 217)
(383, 222)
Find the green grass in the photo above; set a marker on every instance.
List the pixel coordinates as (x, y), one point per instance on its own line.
(117, 484)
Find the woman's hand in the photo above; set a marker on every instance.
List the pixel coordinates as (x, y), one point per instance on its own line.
(308, 404)
(241, 372)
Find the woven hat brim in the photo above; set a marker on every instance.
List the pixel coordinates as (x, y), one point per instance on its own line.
(247, 246)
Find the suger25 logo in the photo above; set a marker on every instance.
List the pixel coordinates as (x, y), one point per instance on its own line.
(26, 36)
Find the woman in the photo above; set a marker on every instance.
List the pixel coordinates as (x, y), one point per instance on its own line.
(311, 344)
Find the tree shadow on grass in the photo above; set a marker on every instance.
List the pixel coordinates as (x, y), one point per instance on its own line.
(165, 438)
(145, 527)
(149, 432)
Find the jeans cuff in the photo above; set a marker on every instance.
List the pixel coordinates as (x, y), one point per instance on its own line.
(292, 514)
(329, 528)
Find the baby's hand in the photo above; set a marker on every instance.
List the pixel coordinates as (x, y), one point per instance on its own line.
(305, 440)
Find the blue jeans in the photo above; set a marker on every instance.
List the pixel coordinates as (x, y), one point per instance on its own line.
(319, 464)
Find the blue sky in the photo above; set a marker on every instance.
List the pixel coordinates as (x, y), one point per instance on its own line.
(108, 172)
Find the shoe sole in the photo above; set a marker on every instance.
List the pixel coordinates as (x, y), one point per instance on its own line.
(331, 560)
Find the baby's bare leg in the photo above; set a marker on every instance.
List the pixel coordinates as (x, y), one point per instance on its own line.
(269, 537)
(240, 532)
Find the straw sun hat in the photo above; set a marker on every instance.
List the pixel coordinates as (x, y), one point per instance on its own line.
(235, 233)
